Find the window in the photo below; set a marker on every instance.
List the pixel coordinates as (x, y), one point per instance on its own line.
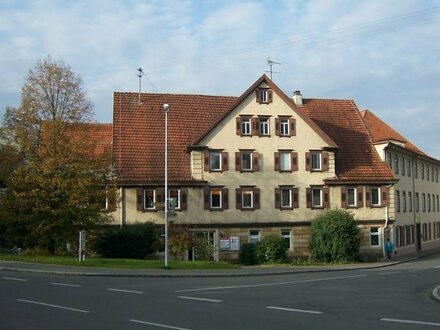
(410, 201)
(216, 198)
(264, 95)
(174, 199)
(402, 160)
(397, 201)
(286, 236)
(286, 197)
(416, 202)
(404, 201)
(427, 172)
(438, 204)
(216, 161)
(436, 174)
(432, 173)
(416, 169)
(318, 197)
(317, 161)
(423, 202)
(433, 203)
(245, 126)
(429, 202)
(389, 159)
(149, 198)
(374, 236)
(285, 126)
(264, 126)
(247, 198)
(422, 171)
(254, 236)
(375, 196)
(286, 161)
(408, 166)
(246, 161)
(396, 164)
(351, 197)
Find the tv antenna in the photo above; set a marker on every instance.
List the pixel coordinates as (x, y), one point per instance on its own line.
(271, 63)
(139, 75)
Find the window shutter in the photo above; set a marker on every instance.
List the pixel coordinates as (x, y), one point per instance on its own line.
(238, 198)
(360, 200)
(237, 161)
(269, 96)
(111, 200)
(256, 198)
(292, 122)
(160, 195)
(277, 126)
(238, 126)
(225, 198)
(257, 95)
(183, 198)
(255, 126)
(324, 156)
(206, 199)
(308, 166)
(295, 193)
(367, 197)
(255, 156)
(294, 158)
(276, 161)
(309, 197)
(343, 197)
(206, 160)
(225, 161)
(277, 198)
(140, 199)
(384, 200)
(326, 197)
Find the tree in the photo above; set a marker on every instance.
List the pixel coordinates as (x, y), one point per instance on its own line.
(62, 185)
(335, 236)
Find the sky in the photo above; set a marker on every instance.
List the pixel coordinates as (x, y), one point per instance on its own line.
(384, 55)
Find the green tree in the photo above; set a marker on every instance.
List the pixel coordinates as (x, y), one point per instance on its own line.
(335, 236)
(62, 184)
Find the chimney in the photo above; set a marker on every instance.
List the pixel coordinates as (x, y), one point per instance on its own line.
(297, 98)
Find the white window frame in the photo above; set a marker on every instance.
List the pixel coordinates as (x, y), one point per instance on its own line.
(245, 126)
(315, 161)
(254, 235)
(288, 156)
(376, 235)
(145, 199)
(170, 207)
(264, 126)
(242, 162)
(284, 127)
(377, 189)
(247, 192)
(287, 191)
(218, 155)
(286, 235)
(220, 193)
(354, 204)
(320, 198)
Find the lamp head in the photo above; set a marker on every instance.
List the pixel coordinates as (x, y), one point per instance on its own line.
(166, 107)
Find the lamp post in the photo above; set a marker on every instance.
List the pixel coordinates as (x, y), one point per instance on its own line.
(166, 108)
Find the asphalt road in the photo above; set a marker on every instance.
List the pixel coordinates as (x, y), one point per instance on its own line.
(397, 297)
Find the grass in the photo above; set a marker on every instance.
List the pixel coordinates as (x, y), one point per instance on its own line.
(116, 263)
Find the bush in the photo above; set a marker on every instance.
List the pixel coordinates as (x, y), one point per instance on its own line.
(271, 249)
(132, 241)
(335, 236)
(247, 254)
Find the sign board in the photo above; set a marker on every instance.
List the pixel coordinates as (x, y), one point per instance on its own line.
(230, 243)
(225, 244)
(235, 243)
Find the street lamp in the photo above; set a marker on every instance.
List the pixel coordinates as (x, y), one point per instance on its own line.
(166, 108)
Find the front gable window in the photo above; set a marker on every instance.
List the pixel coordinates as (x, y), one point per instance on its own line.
(285, 126)
(264, 126)
(264, 95)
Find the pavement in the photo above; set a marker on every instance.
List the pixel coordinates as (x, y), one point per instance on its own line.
(187, 273)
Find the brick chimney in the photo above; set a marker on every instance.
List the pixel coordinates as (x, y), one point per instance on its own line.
(297, 98)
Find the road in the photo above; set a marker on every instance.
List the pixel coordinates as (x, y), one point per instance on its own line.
(396, 297)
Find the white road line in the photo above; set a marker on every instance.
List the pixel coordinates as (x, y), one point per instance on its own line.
(411, 322)
(200, 299)
(15, 279)
(126, 291)
(66, 284)
(158, 325)
(437, 267)
(293, 310)
(269, 284)
(54, 306)
(388, 273)
(436, 292)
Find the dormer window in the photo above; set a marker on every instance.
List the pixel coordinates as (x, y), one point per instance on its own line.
(264, 95)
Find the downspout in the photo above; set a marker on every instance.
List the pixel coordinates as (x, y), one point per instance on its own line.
(385, 226)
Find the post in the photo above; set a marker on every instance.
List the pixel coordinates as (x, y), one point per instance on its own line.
(166, 109)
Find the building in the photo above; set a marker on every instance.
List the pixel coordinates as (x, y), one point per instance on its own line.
(416, 205)
(241, 168)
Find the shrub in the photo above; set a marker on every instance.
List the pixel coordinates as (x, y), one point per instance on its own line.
(271, 249)
(203, 249)
(335, 236)
(247, 254)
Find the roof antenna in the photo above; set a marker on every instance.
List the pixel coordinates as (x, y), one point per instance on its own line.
(271, 63)
(140, 73)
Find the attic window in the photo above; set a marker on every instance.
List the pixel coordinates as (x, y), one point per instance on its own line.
(264, 95)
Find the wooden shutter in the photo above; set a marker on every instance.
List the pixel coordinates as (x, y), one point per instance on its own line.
(344, 197)
(238, 126)
(269, 96)
(324, 156)
(292, 123)
(294, 158)
(277, 126)
(308, 165)
(367, 197)
(326, 194)
(238, 161)
(277, 198)
(160, 195)
(225, 161)
(183, 198)
(256, 198)
(206, 199)
(384, 193)
(206, 161)
(309, 197)
(360, 196)
(257, 95)
(255, 156)
(276, 161)
(225, 198)
(238, 198)
(255, 126)
(140, 199)
(295, 194)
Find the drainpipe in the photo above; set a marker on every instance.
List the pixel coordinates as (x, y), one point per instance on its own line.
(385, 226)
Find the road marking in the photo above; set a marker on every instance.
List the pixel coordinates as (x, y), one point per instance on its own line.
(411, 322)
(437, 267)
(158, 325)
(293, 310)
(388, 273)
(66, 284)
(436, 293)
(54, 306)
(201, 299)
(15, 279)
(126, 291)
(269, 284)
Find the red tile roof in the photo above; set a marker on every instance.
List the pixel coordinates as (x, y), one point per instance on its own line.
(357, 159)
(138, 143)
(96, 137)
(382, 132)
